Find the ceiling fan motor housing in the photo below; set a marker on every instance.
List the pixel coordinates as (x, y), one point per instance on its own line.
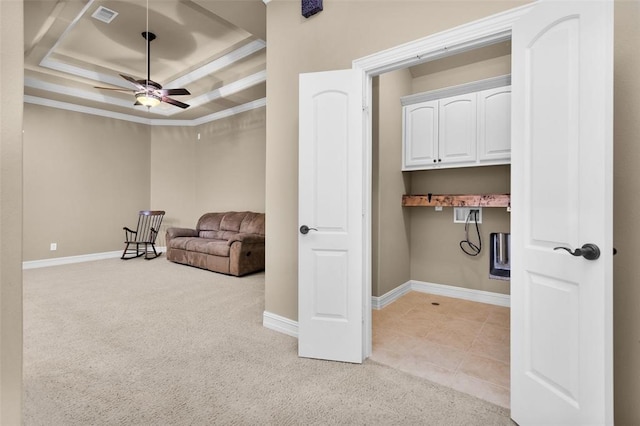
(150, 84)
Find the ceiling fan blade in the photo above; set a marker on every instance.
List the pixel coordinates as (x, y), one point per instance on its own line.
(133, 81)
(174, 102)
(173, 92)
(117, 89)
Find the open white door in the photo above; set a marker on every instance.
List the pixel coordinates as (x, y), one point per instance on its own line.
(330, 245)
(561, 305)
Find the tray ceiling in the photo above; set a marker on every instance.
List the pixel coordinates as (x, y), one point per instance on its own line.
(215, 49)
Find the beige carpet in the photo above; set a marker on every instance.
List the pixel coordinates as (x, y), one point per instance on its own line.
(156, 343)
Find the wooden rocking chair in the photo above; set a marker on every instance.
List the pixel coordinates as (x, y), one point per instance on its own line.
(144, 237)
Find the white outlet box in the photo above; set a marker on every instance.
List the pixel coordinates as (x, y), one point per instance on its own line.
(438, 208)
(461, 214)
(53, 247)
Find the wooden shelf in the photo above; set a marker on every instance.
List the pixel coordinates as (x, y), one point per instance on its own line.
(450, 200)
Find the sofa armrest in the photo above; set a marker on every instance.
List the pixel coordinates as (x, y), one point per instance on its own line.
(181, 232)
(246, 238)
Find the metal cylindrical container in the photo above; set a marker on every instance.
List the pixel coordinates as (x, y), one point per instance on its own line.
(502, 248)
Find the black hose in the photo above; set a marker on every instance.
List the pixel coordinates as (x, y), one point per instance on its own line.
(472, 249)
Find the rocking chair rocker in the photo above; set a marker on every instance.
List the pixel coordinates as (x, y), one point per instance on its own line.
(144, 237)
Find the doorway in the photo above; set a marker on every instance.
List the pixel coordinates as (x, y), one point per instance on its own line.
(455, 342)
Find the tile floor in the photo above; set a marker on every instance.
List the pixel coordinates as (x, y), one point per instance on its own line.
(461, 344)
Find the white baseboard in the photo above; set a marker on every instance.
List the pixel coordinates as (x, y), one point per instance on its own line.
(56, 261)
(441, 290)
(280, 324)
(481, 296)
(391, 296)
(290, 327)
(32, 264)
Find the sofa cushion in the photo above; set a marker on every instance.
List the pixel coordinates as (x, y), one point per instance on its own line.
(232, 221)
(210, 222)
(180, 242)
(201, 245)
(208, 246)
(253, 223)
(216, 235)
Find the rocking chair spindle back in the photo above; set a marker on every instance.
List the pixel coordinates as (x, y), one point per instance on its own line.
(144, 237)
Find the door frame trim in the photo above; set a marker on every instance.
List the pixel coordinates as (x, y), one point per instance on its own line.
(483, 32)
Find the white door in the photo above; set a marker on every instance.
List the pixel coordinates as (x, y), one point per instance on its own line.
(561, 305)
(330, 252)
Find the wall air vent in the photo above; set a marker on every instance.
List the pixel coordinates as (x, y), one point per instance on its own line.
(105, 15)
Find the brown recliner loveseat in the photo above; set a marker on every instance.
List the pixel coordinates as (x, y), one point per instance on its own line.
(230, 243)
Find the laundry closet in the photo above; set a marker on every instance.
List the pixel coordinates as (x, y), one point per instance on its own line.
(441, 130)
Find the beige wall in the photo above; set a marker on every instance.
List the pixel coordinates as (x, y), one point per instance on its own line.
(85, 177)
(390, 221)
(173, 175)
(223, 170)
(348, 30)
(486, 62)
(626, 232)
(11, 81)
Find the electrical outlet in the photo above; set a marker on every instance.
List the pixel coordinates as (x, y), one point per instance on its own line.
(53, 247)
(461, 214)
(438, 208)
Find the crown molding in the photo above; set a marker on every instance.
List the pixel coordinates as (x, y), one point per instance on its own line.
(35, 100)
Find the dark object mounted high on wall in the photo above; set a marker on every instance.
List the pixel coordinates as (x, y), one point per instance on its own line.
(311, 7)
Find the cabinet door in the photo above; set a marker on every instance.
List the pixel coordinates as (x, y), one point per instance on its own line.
(457, 129)
(420, 139)
(494, 124)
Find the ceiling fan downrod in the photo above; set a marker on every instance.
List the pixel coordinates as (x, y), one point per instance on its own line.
(149, 36)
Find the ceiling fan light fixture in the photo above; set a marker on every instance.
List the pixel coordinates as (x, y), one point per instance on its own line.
(148, 99)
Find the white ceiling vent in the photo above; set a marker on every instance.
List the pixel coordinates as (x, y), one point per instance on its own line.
(105, 15)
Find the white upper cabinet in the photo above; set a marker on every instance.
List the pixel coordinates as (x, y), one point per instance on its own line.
(494, 124)
(472, 128)
(457, 129)
(421, 128)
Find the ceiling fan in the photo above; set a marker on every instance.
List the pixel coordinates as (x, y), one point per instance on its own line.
(148, 92)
